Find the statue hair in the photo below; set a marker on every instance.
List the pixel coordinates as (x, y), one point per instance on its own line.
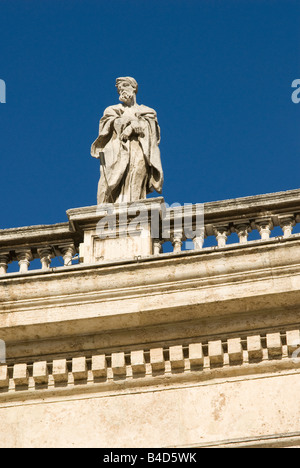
(130, 80)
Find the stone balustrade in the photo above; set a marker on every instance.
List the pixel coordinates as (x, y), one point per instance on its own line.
(261, 213)
(197, 223)
(23, 245)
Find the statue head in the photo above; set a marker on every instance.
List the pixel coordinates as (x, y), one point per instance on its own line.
(127, 88)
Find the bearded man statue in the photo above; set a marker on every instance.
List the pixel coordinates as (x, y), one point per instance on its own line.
(127, 147)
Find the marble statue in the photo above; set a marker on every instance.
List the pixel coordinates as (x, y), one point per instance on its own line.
(128, 148)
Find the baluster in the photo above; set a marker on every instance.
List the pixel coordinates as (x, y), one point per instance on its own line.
(242, 231)
(4, 261)
(221, 235)
(177, 242)
(68, 252)
(157, 246)
(264, 227)
(287, 223)
(199, 240)
(45, 255)
(24, 258)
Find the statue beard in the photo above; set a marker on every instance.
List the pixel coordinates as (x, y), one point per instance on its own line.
(126, 97)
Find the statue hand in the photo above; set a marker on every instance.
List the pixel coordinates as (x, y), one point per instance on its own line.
(126, 133)
(137, 128)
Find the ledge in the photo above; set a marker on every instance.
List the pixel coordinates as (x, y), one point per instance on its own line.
(34, 237)
(234, 247)
(200, 362)
(174, 289)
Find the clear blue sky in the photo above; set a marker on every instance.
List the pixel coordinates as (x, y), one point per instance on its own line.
(217, 72)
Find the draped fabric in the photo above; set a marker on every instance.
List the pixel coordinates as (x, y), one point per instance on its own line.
(133, 167)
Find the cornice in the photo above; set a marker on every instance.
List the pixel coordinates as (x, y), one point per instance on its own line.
(147, 293)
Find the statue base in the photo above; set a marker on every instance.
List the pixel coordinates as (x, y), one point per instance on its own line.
(118, 231)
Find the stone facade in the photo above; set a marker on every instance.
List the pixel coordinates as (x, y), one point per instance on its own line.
(124, 345)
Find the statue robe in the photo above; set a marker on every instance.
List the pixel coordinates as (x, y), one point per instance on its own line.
(133, 167)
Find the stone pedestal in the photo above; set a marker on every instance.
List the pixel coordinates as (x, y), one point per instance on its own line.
(118, 231)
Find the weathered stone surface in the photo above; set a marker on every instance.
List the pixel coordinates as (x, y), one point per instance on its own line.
(124, 231)
(196, 354)
(4, 378)
(254, 347)
(235, 350)
(274, 344)
(250, 411)
(293, 340)
(118, 363)
(20, 374)
(99, 366)
(138, 361)
(127, 147)
(79, 368)
(215, 352)
(40, 372)
(207, 303)
(157, 359)
(183, 285)
(176, 357)
(60, 370)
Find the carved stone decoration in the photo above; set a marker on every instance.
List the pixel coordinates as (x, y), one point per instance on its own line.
(24, 258)
(4, 260)
(127, 147)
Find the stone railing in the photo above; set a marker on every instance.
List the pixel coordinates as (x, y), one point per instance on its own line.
(243, 216)
(261, 214)
(23, 245)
